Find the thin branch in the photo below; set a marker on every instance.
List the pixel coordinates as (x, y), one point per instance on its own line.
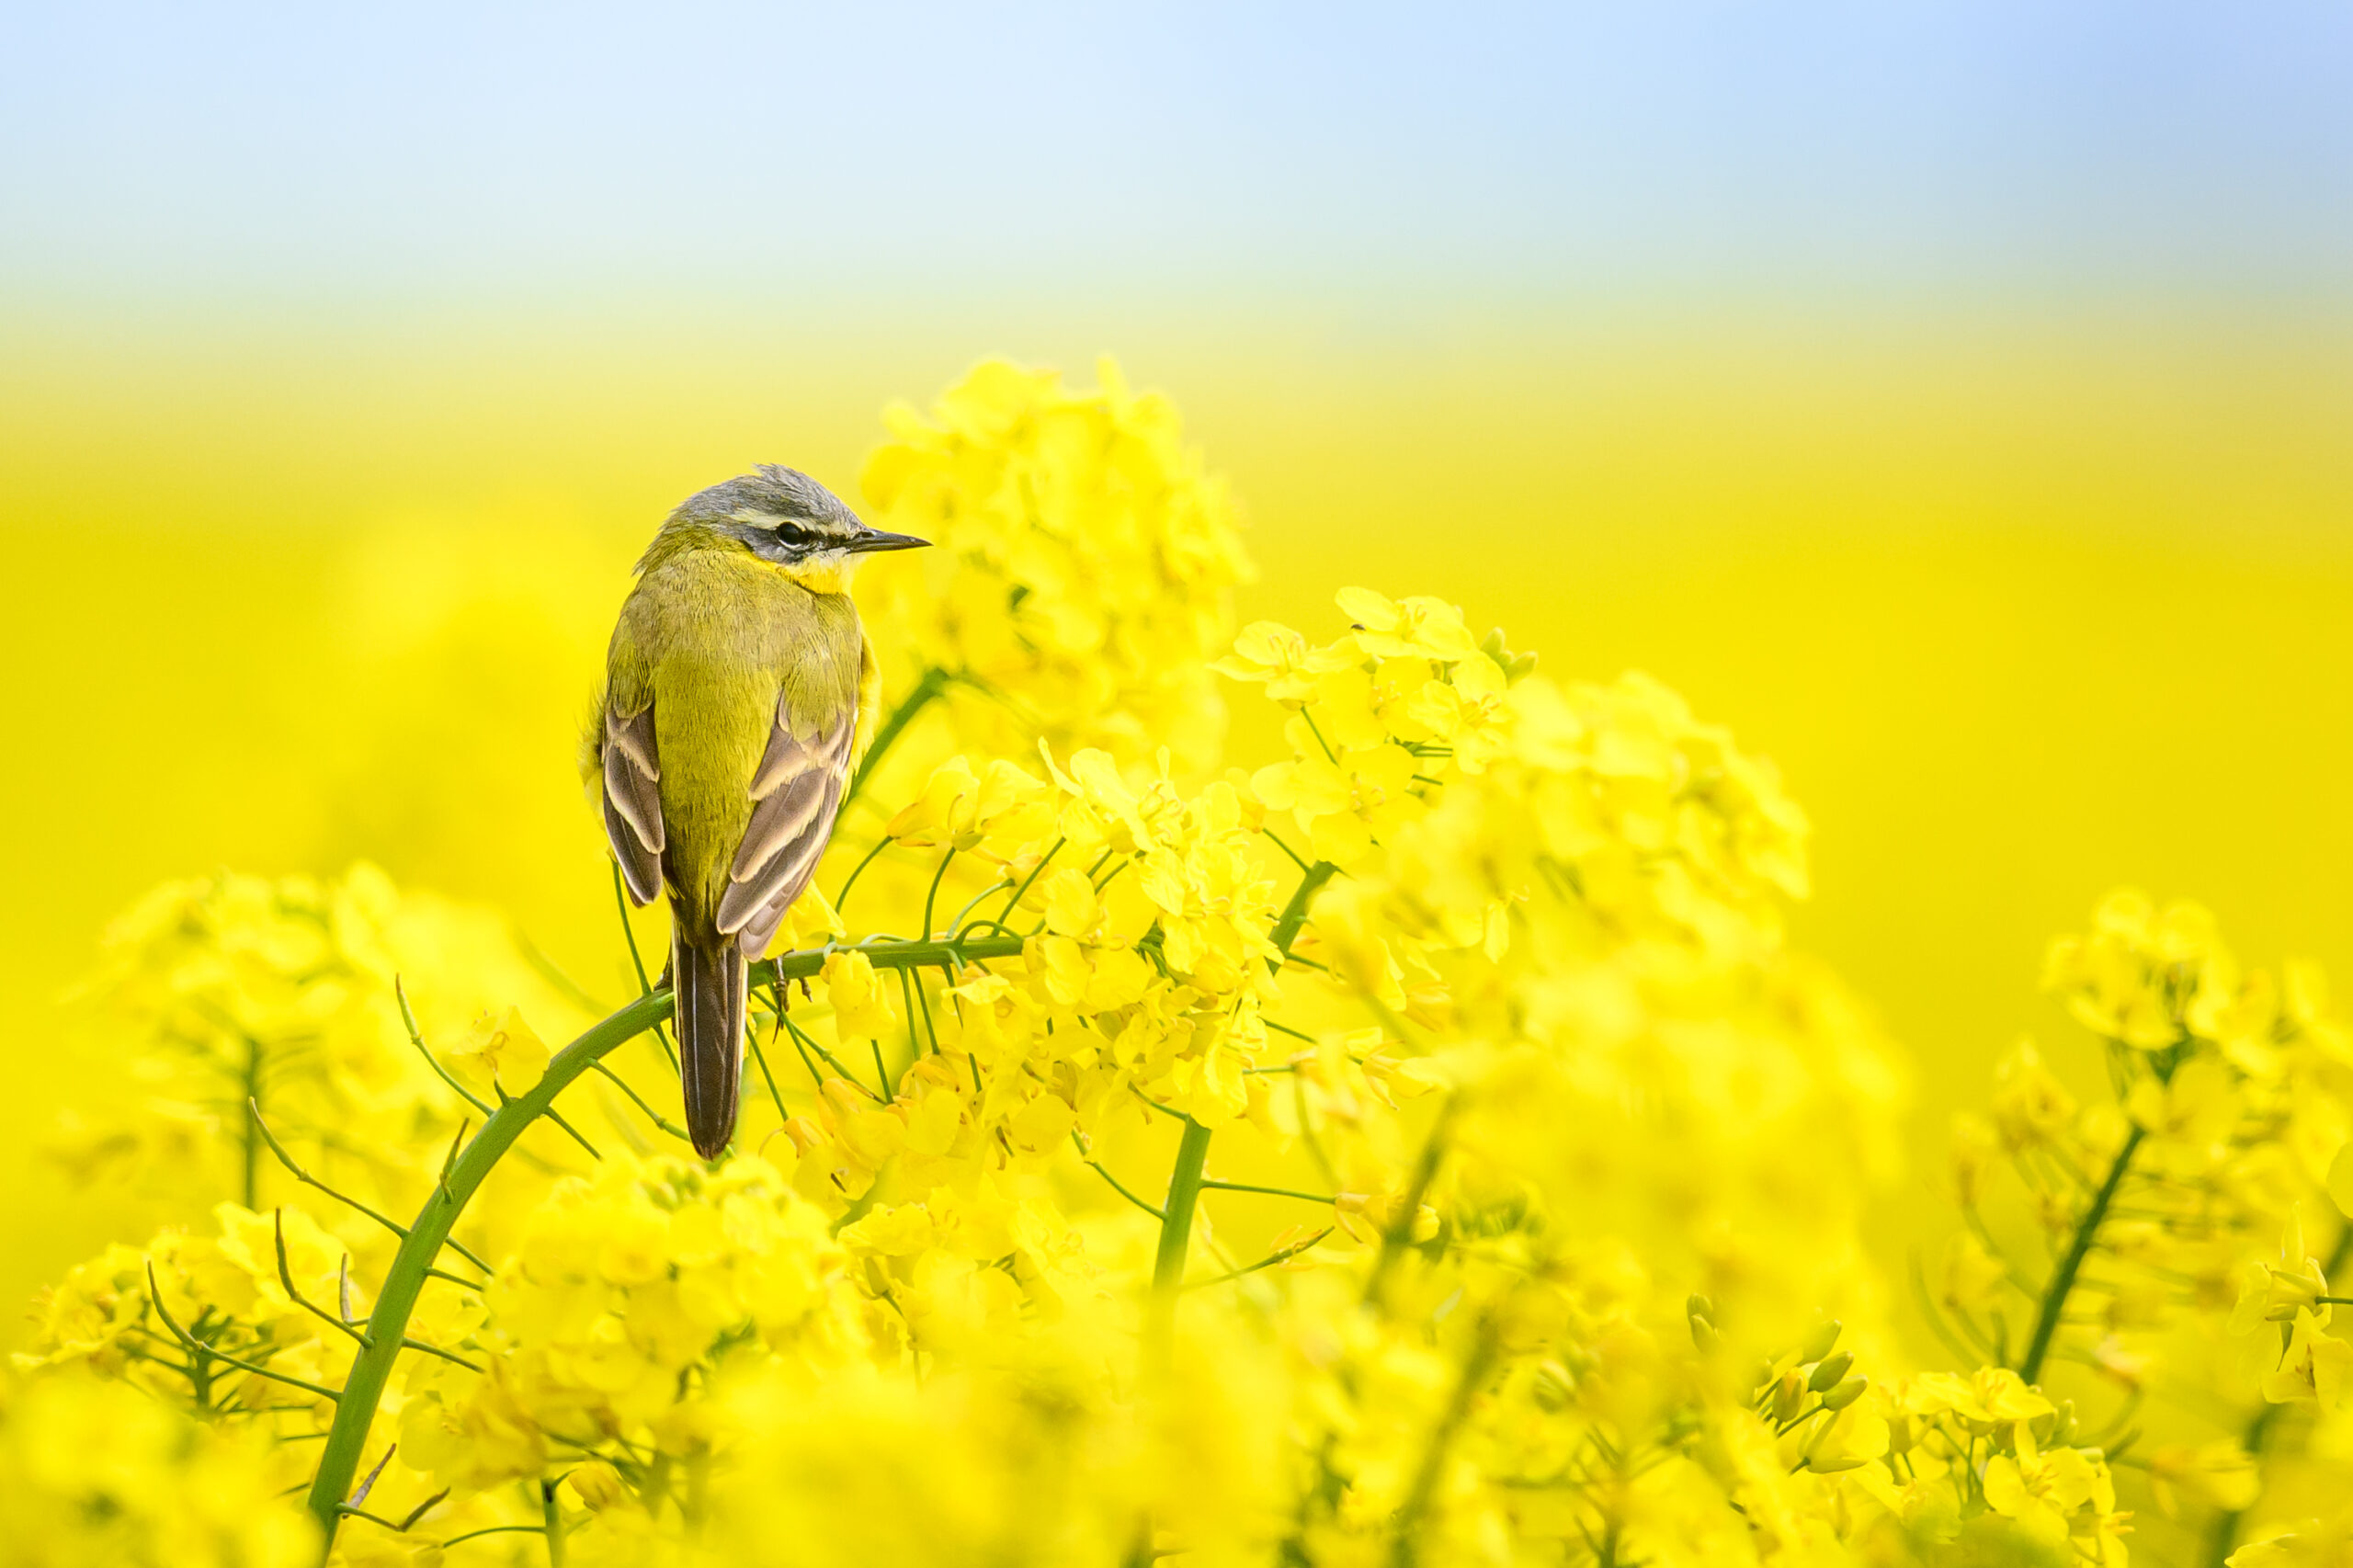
(2054, 1295)
(753, 1036)
(957, 923)
(557, 1117)
(637, 960)
(1030, 880)
(1279, 1255)
(932, 897)
(196, 1347)
(1286, 848)
(638, 1100)
(495, 1529)
(808, 1040)
(923, 1001)
(1089, 1161)
(285, 1277)
(409, 1344)
(308, 1179)
(1270, 1191)
(537, 956)
(859, 870)
(416, 1039)
(408, 1520)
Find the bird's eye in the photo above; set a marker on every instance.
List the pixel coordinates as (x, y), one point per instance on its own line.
(794, 534)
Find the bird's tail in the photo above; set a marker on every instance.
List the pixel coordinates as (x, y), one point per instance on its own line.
(709, 981)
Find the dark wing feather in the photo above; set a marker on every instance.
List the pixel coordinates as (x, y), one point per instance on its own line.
(634, 801)
(795, 793)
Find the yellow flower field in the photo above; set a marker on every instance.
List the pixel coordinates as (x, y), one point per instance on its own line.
(1332, 1090)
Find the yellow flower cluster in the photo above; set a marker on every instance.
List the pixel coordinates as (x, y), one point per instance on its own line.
(629, 1294)
(245, 993)
(187, 1314)
(1422, 1147)
(1081, 565)
(2175, 1209)
(95, 1475)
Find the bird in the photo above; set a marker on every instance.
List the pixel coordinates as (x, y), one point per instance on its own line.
(740, 691)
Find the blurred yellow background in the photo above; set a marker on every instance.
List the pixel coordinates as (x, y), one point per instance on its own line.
(2023, 608)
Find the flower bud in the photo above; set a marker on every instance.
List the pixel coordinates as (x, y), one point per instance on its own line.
(1789, 1398)
(1823, 1341)
(1553, 1387)
(1830, 1371)
(1840, 1396)
(596, 1484)
(2289, 1294)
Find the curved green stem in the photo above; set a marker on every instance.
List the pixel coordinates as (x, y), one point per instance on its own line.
(931, 898)
(2063, 1282)
(371, 1367)
(1294, 914)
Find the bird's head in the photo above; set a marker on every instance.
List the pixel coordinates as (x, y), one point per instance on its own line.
(783, 516)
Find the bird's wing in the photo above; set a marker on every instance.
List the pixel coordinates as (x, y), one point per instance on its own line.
(634, 801)
(795, 793)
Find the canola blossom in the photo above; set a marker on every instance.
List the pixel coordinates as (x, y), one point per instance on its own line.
(1422, 1146)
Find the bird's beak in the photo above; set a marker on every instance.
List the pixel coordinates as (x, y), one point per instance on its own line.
(875, 539)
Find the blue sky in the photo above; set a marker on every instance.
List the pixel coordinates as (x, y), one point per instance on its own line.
(243, 153)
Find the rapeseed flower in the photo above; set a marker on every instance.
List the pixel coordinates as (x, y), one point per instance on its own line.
(1419, 1145)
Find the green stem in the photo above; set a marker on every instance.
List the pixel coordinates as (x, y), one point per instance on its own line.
(363, 1388)
(920, 696)
(552, 1519)
(1176, 1231)
(1400, 1233)
(932, 898)
(1405, 1550)
(371, 1368)
(637, 960)
(1294, 914)
(2063, 1282)
(252, 1136)
(1185, 1181)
